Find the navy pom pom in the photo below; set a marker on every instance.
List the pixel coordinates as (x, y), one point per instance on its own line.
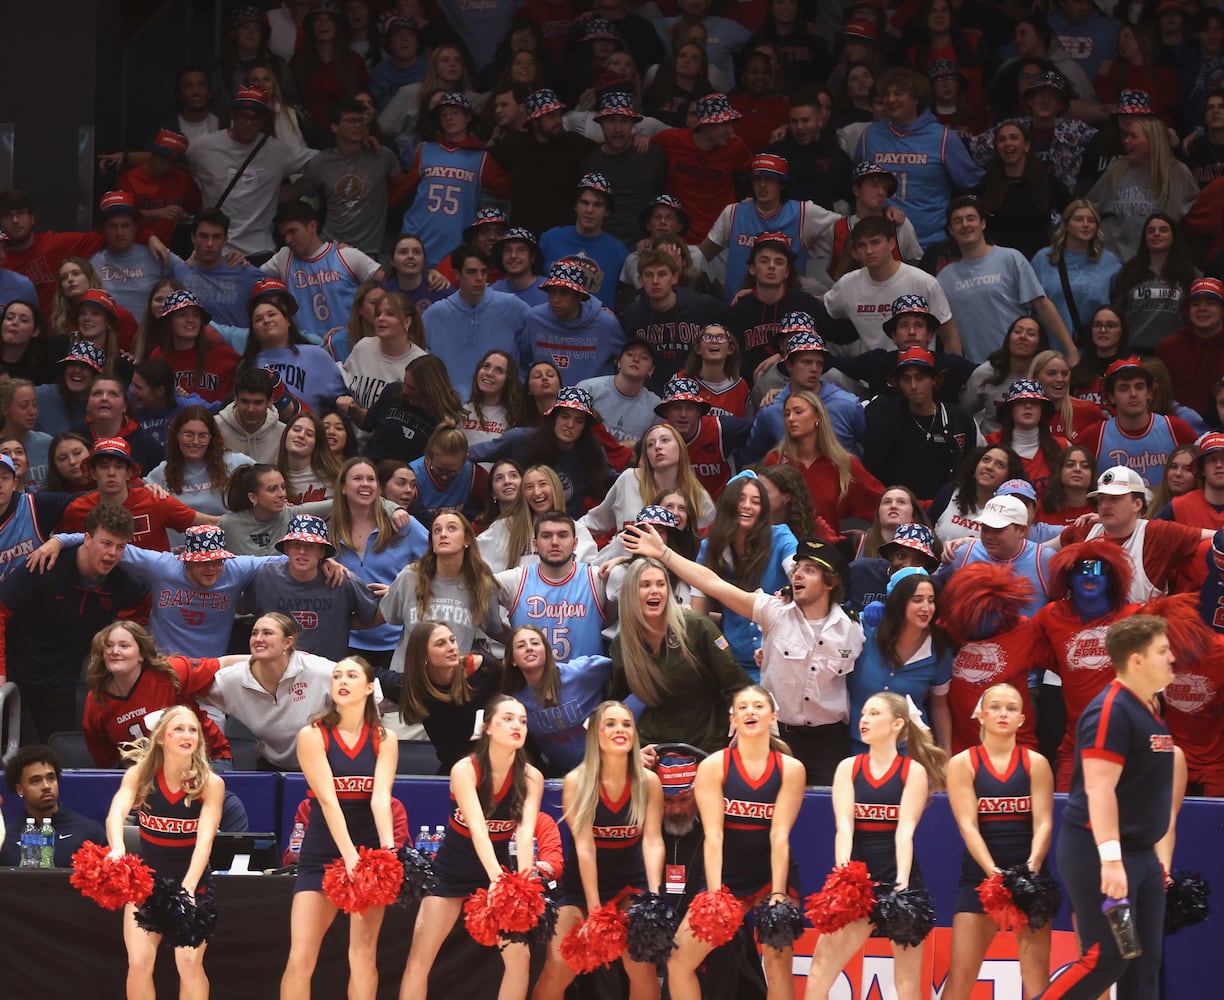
(652, 929)
(418, 876)
(905, 916)
(1186, 902)
(778, 924)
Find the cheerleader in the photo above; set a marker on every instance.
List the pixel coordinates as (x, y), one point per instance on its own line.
(749, 797)
(179, 799)
(496, 796)
(1018, 833)
(880, 783)
(349, 760)
(614, 809)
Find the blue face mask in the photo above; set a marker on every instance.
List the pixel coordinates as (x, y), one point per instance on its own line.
(1089, 594)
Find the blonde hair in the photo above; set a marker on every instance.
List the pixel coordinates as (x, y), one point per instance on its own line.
(826, 441)
(640, 664)
(1002, 686)
(148, 757)
(919, 743)
(1160, 166)
(520, 524)
(1058, 242)
(588, 776)
(1063, 406)
(687, 483)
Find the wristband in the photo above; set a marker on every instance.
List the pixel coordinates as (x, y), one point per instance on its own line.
(1109, 850)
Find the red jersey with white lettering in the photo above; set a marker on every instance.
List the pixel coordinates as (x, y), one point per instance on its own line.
(1001, 659)
(1194, 713)
(1075, 650)
(122, 718)
(748, 808)
(708, 456)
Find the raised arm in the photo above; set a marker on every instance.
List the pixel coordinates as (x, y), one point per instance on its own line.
(643, 540)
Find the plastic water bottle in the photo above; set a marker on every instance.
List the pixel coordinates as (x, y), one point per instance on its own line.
(424, 842)
(438, 836)
(29, 844)
(295, 842)
(46, 845)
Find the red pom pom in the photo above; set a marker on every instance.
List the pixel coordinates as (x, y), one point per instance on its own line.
(110, 883)
(516, 902)
(714, 917)
(999, 905)
(377, 878)
(599, 940)
(478, 918)
(847, 897)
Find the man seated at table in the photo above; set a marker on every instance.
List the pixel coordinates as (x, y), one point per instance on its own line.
(33, 773)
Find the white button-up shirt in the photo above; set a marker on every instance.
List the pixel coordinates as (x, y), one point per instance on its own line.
(804, 661)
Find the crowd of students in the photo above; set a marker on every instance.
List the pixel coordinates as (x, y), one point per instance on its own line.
(436, 316)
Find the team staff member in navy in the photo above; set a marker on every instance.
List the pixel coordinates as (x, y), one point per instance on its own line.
(33, 772)
(1119, 808)
(808, 644)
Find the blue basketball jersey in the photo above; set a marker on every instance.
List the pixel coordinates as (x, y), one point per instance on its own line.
(1147, 454)
(747, 224)
(19, 534)
(324, 288)
(569, 612)
(447, 198)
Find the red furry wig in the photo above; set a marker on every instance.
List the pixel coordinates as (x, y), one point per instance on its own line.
(1112, 555)
(1189, 637)
(982, 597)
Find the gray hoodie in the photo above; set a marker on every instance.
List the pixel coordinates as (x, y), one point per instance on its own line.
(262, 446)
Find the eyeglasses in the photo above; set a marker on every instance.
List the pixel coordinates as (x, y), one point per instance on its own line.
(195, 435)
(1089, 567)
(714, 338)
(444, 474)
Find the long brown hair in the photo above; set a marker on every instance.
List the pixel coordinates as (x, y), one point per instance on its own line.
(322, 462)
(484, 766)
(748, 569)
(97, 676)
(512, 679)
(214, 456)
(417, 685)
(874, 537)
(477, 577)
(340, 525)
(370, 713)
(511, 394)
(436, 397)
(894, 621)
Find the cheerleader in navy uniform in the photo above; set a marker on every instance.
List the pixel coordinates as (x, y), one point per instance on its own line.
(1002, 796)
(614, 809)
(878, 798)
(749, 797)
(496, 796)
(1119, 811)
(349, 760)
(179, 800)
